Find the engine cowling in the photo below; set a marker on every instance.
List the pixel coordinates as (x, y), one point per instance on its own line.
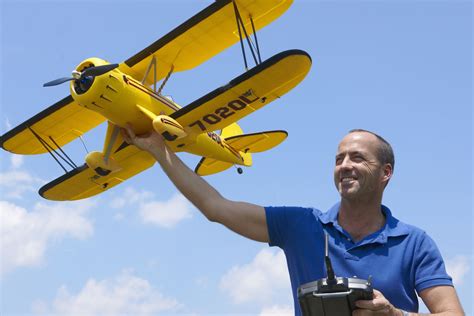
(95, 160)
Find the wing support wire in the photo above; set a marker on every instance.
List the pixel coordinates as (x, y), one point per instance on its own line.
(53, 152)
(165, 80)
(254, 48)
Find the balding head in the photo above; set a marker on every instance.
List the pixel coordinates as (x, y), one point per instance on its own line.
(384, 149)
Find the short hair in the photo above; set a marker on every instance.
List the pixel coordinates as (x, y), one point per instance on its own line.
(384, 152)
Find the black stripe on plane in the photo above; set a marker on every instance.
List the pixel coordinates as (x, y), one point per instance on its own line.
(53, 108)
(251, 134)
(194, 20)
(62, 178)
(122, 146)
(234, 82)
(196, 170)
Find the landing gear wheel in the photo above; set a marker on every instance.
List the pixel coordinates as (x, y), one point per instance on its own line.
(240, 171)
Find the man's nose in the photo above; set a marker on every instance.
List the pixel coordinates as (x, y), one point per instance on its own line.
(346, 163)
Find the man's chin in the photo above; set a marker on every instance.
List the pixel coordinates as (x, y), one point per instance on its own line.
(348, 194)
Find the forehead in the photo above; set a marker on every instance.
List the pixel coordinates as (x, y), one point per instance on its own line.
(358, 142)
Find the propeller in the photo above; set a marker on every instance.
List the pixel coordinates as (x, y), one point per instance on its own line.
(86, 75)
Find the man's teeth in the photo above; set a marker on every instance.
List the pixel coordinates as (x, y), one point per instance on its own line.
(347, 179)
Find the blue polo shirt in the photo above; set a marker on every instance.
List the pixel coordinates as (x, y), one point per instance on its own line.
(401, 258)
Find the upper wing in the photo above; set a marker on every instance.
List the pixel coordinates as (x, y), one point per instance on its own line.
(202, 36)
(245, 94)
(83, 182)
(60, 123)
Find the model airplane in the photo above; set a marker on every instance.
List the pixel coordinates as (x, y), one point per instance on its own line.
(101, 91)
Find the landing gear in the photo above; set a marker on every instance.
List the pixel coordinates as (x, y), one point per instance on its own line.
(239, 170)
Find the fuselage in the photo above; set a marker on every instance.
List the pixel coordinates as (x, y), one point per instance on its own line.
(118, 97)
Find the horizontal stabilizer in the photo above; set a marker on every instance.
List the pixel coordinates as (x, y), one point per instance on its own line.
(57, 125)
(83, 182)
(208, 166)
(256, 142)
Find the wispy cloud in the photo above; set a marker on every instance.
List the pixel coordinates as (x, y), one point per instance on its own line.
(15, 183)
(8, 125)
(457, 267)
(277, 310)
(25, 235)
(125, 294)
(166, 214)
(16, 161)
(262, 280)
(131, 197)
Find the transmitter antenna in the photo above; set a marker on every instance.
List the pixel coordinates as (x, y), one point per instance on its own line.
(330, 272)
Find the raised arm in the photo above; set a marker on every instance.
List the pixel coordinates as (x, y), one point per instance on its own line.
(243, 218)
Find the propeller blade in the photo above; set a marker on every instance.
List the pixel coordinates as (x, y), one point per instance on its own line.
(57, 81)
(99, 70)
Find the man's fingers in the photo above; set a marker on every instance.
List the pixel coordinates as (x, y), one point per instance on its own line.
(125, 136)
(373, 305)
(365, 304)
(128, 134)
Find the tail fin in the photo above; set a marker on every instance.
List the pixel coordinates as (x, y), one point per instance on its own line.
(231, 130)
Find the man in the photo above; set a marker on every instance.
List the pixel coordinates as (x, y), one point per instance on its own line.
(365, 239)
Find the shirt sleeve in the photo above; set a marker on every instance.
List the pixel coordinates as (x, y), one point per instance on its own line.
(281, 220)
(430, 270)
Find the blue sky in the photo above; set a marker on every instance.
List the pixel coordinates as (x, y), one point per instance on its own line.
(400, 68)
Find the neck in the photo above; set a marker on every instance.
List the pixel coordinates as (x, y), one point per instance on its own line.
(361, 217)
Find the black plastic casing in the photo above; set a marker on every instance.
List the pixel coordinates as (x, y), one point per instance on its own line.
(333, 297)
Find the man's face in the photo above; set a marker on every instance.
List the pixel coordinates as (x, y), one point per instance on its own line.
(358, 172)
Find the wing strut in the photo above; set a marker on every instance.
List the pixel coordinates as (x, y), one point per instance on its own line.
(53, 151)
(165, 80)
(252, 46)
(152, 63)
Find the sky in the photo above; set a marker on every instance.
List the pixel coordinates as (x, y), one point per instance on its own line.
(402, 69)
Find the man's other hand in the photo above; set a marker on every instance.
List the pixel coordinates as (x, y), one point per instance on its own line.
(378, 306)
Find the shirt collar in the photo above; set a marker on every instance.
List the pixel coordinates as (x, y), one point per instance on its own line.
(393, 227)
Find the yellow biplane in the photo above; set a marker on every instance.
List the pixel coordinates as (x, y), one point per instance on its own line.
(100, 91)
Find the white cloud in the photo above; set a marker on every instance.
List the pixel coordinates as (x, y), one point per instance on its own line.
(124, 294)
(15, 183)
(263, 280)
(166, 214)
(8, 125)
(24, 235)
(131, 197)
(277, 310)
(457, 268)
(16, 161)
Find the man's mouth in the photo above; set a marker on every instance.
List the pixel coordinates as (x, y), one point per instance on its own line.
(348, 179)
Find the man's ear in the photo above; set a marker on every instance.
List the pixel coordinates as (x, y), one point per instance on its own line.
(387, 173)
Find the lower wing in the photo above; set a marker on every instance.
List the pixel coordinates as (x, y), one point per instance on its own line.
(83, 182)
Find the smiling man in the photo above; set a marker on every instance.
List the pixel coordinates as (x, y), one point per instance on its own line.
(364, 238)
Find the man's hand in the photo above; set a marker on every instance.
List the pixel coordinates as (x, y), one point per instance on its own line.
(149, 141)
(378, 306)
